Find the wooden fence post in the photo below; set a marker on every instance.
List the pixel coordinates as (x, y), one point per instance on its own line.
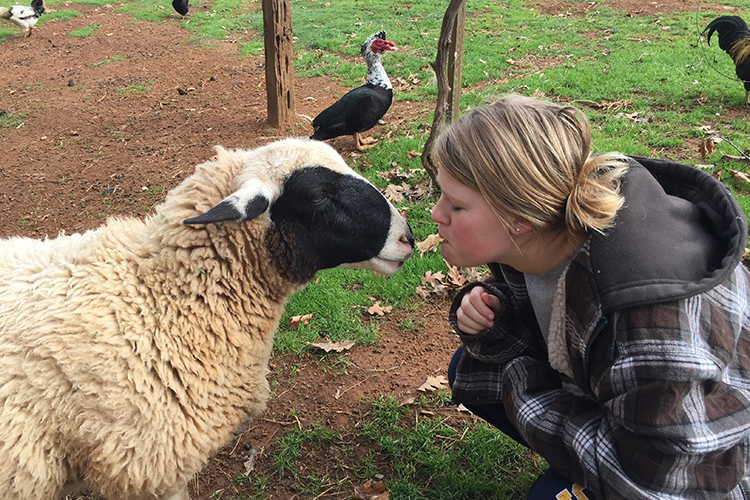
(279, 53)
(448, 31)
(455, 60)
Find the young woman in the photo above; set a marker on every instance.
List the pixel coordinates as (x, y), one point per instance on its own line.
(612, 336)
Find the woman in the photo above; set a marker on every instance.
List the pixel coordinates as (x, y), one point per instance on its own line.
(612, 335)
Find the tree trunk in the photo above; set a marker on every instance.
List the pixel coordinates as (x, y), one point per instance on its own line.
(445, 46)
(279, 53)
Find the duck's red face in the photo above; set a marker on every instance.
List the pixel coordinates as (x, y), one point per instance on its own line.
(380, 45)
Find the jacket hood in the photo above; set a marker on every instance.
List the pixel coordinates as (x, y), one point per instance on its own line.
(679, 233)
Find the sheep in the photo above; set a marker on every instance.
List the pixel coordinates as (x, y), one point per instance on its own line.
(129, 353)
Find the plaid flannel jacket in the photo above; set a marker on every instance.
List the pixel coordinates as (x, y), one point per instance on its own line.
(644, 388)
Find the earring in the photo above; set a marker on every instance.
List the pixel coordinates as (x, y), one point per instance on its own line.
(516, 229)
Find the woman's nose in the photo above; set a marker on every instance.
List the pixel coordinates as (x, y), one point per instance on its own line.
(436, 214)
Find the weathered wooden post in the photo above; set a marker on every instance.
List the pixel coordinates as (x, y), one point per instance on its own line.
(446, 46)
(455, 61)
(277, 38)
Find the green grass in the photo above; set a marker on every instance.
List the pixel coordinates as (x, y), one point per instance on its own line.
(425, 457)
(84, 31)
(650, 86)
(9, 119)
(135, 87)
(108, 60)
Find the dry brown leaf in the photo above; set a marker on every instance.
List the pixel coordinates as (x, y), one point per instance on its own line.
(434, 383)
(333, 346)
(377, 309)
(394, 193)
(296, 320)
(371, 490)
(431, 278)
(407, 400)
(429, 244)
(250, 462)
(462, 408)
(422, 190)
(707, 147)
(741, 159)
(739, 177)
(456, 279)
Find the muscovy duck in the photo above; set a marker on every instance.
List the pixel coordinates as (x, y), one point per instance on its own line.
(361, 108)
(25, 17)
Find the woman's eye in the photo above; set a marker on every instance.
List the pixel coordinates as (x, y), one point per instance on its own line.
(455, 208)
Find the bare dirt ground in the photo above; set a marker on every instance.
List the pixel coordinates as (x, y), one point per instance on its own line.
(110, 122)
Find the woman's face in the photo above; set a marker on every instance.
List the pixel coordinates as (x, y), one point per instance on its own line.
(472, 233)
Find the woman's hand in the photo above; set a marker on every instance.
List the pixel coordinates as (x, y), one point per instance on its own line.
(478, 311)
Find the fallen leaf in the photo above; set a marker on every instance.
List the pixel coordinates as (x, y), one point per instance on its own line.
(431, 278)
(740, 159)
(250, 462)
(429, 244)
(456, 278)
(708, 129)
(434, 383)
(371, 490)
(707, 147)
(394, 193)
(333, 346)
(462, 408)
(296, 320)
(407, 400)
(739, 177)
(377, 309)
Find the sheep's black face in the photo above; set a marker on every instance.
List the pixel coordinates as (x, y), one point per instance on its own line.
(324, 219)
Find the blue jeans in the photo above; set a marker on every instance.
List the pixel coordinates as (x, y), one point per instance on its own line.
(548, 486)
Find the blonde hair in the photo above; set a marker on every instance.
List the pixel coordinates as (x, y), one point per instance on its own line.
(532, 159)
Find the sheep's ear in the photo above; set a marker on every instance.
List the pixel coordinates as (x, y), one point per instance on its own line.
(232, 208)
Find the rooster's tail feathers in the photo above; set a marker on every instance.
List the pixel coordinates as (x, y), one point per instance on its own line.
(730, 29)
(38, 6)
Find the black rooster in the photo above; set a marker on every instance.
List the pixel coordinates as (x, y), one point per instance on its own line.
(25, 17)
(361, 108)
(734, 39)
(181, 6)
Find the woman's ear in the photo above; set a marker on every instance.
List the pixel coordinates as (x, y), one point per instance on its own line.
(520, 227)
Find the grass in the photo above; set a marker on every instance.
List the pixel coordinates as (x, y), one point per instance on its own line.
(428, 457)
(650, 86)
(84, 31)
(135, 87)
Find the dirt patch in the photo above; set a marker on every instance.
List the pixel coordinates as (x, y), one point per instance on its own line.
(105, 125)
